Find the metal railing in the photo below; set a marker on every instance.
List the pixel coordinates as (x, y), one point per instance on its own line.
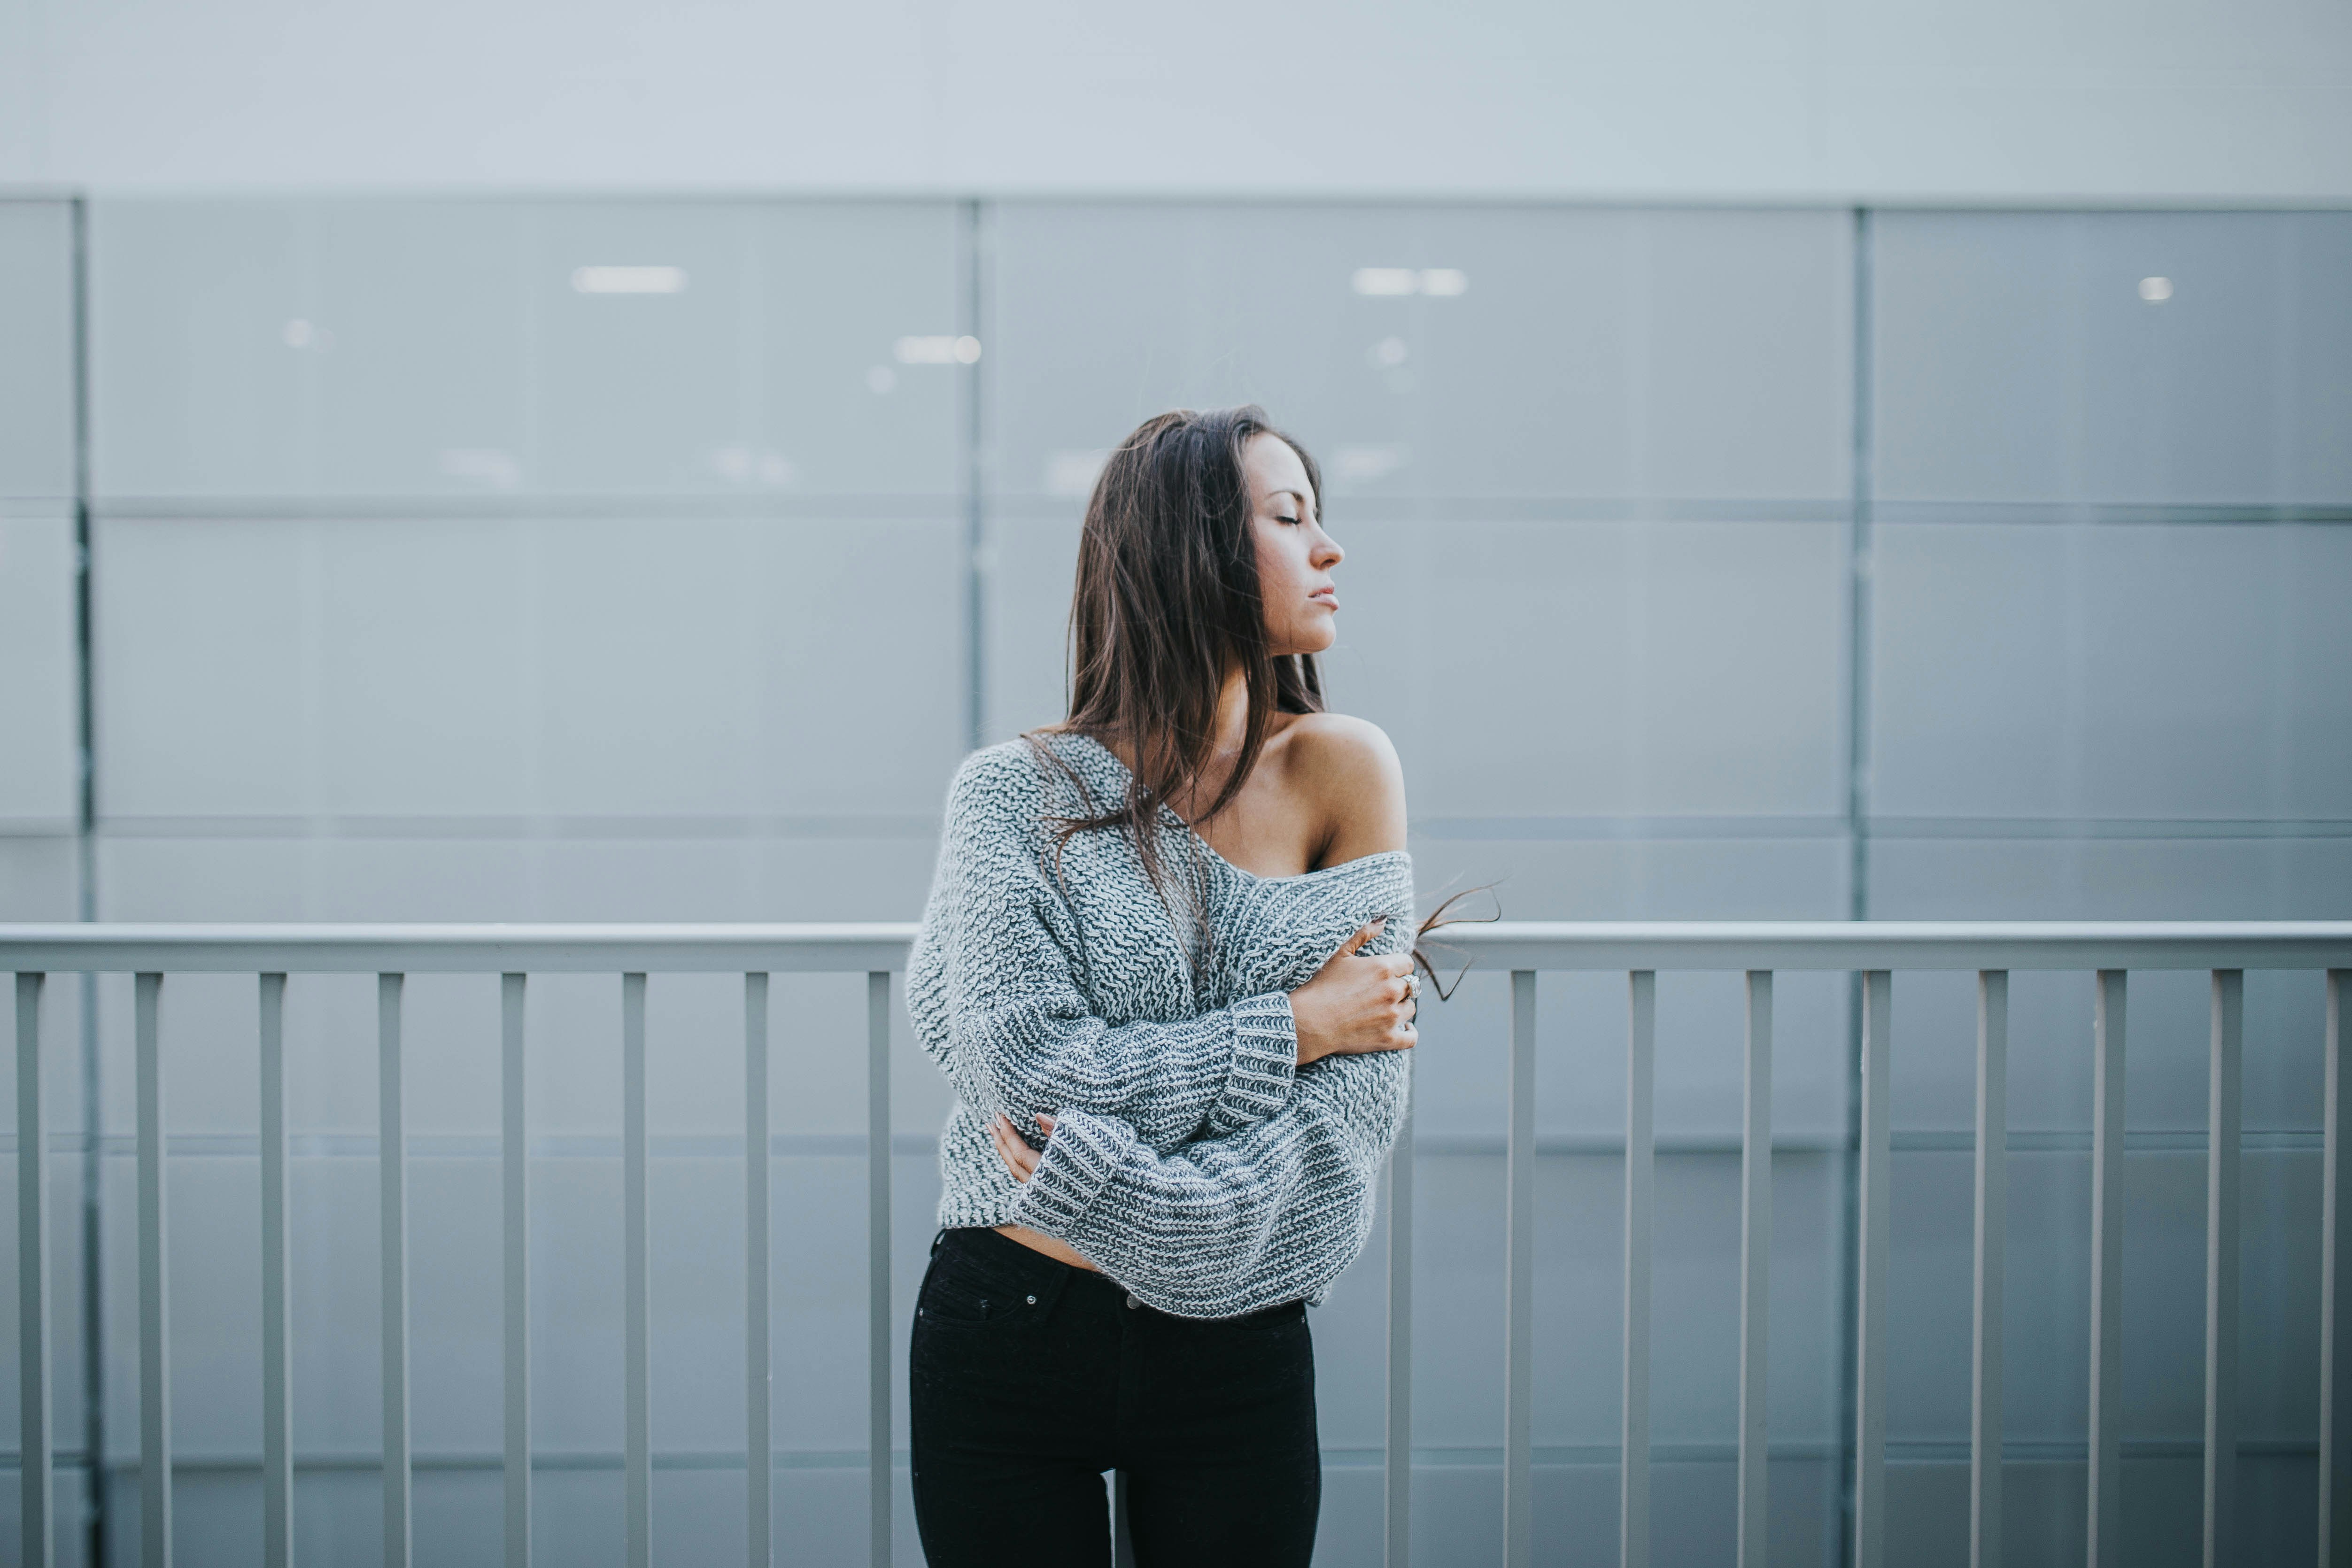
(1872, 950)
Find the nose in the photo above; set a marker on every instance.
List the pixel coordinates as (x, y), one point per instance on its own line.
(1327, 553)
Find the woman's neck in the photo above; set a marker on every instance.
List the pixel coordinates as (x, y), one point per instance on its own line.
(1232, 716)
(1229, 730)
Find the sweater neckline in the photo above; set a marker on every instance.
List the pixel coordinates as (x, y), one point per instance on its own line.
(1361, 862)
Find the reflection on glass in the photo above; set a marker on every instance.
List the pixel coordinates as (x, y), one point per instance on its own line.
(628, 279)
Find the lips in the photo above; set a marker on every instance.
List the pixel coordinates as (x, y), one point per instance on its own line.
(1324, 596)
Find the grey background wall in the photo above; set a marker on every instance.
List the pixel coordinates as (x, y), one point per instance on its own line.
(423, 585)
(1706, 98)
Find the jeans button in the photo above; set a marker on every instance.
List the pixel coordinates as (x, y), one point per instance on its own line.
(1132, 1303)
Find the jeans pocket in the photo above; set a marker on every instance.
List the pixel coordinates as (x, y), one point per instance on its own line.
(952, 1297)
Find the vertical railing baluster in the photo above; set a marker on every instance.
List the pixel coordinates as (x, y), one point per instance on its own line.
(1756, 1275)
(1122, 1523)
(877, 1264)
(392, 1164)
(2221, 1269)
(35, 1498)
(1396, 1478)
(2105, 1507)
(1872, 1248)
(1991, 1241)
(514, 1154)
(1518, 1290)
(636, 1414)
(154, 1287)
(1641, 1197)
(759, 1460)
(2335, 1293)
(276, 1299)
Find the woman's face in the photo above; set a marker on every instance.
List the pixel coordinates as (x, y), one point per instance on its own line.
(1295, 556)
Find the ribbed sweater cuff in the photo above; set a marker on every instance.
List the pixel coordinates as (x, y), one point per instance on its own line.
(1080, 1158)
(1266, 1057)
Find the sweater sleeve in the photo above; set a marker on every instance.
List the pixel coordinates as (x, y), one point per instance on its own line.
(994, 992)
(1272, 1212)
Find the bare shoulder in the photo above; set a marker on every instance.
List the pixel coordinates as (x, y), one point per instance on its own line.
(1349, 768)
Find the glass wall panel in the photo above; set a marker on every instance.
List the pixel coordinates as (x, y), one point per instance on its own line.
(37, 350)
(40, 785)
(1434, 352)
(411, 348)
(2182, 358)
(752, 669)
(2113, 670)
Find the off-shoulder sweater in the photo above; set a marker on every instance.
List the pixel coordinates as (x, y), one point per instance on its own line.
(1192, 1160)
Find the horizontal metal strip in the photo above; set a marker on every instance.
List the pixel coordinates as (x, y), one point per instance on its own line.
(1469, 511)
(521, 827)
(852, 1145)
(38, 827)
(1902, 944)
(2107, 828)
(493, 509)
(525, 827)
(2159, 513)
(486, 1145)
(847, 948)
(1518, 830)
(1493, 1144)
(1030, 506)
(1899, 1451)
(36, 509)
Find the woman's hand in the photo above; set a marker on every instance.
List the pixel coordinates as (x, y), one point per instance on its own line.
(1013, 1149)
(1355, 1003)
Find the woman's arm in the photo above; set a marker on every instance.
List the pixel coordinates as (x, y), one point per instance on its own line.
(1274, 1210)
(993, 991)
(1270, 1213)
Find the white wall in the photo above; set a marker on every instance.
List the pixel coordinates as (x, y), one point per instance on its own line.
(2096, 99)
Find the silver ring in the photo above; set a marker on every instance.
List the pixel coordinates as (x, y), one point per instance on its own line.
(1411, 986)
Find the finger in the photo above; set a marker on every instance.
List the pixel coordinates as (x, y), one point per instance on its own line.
(1399, 964)
(1045, 1123)
(1018, 1157)
(1363, 933)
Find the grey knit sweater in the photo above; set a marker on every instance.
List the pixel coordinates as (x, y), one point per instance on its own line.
(1192, 1160)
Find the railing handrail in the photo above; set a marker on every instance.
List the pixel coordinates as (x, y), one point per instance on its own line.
(1873, 948)
(864, 946)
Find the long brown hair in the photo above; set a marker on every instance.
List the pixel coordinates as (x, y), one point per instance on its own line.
(1167, 600)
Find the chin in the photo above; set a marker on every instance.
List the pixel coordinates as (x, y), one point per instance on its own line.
(1315, 639)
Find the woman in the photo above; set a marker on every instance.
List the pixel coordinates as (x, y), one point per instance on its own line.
(1165, 966)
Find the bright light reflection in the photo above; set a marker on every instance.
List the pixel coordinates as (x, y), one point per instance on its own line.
(1439, 282)
(628, 279)
(2156, 290)
(937, 350)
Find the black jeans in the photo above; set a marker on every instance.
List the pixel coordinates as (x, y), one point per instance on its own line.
(1031, 1378)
